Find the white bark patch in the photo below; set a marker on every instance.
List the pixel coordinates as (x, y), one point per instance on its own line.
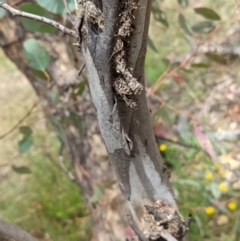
(142, 187)
(146, 181)
(102, 106)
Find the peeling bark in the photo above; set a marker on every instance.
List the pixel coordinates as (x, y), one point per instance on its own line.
(116, 82)
(139, 170)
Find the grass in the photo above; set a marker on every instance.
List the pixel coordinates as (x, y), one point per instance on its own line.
(195, 193)
(44, 202)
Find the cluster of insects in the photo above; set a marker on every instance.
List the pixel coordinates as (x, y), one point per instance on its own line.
(125, 84)
(161, 221)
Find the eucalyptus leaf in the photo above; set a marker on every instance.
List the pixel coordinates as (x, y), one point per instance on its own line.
(207, 13)
(183, 24)
(27, 140)
(215, 190)
(56, 6)
(2, 11)
(160, 16)
(80, 87)
(41, 74)
(189, 183)
(183, 3)
(216, 58)
(36, 54)
(97, 195)
(203, 27)
(58, 127)
(151, 45)
(77, 121)
(21, 169)
(200, 65)
(33, 25)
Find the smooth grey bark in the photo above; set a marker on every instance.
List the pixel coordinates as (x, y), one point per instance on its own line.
(140, 175)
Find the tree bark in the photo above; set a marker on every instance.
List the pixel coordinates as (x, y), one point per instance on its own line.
(140, 173)
(9, 232)
(123, 118)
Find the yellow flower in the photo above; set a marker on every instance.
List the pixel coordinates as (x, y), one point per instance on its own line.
(210, 210)
(218, 167)
(223, 187)
(209, 176)
(162, 147)
(232, 205)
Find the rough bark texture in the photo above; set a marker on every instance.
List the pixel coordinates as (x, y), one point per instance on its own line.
(139, 169)
(84, 147)
(122, 114)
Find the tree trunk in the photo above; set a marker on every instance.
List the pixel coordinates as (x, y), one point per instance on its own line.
(114, 48)
(126, 131)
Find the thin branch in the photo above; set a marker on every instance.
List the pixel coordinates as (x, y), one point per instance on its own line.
(136, 229)
(20, 121)
(68, 10)
(61, 162)
(53, 23)
(168, 73)
(76, 4)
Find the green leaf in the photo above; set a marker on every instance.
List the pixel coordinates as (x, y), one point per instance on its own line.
(203, 27)
(97, 195)
(216, 58)
(207, 13)
(21, 169)
(160, 16)
(54, 95)
(200, 65)
(183, 3)
(151, 45)
(41, 74)
(183, 24)
(27, 140)
(33, 25)
(56, 6)
(36, 55)
(2, 11)
(186, 70)
(58, 127)
(189, 182)
(80, 87)
(215, 190)
(76, 120)
(25, 130)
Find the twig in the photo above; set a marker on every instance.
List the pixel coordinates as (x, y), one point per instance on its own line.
(20, 121)
(171, 107)
(53, 23)
(76, 4)
(68, 10)
(136, 229)
(162, 138)
(189, 58)
(61, 162)
(81, 69)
